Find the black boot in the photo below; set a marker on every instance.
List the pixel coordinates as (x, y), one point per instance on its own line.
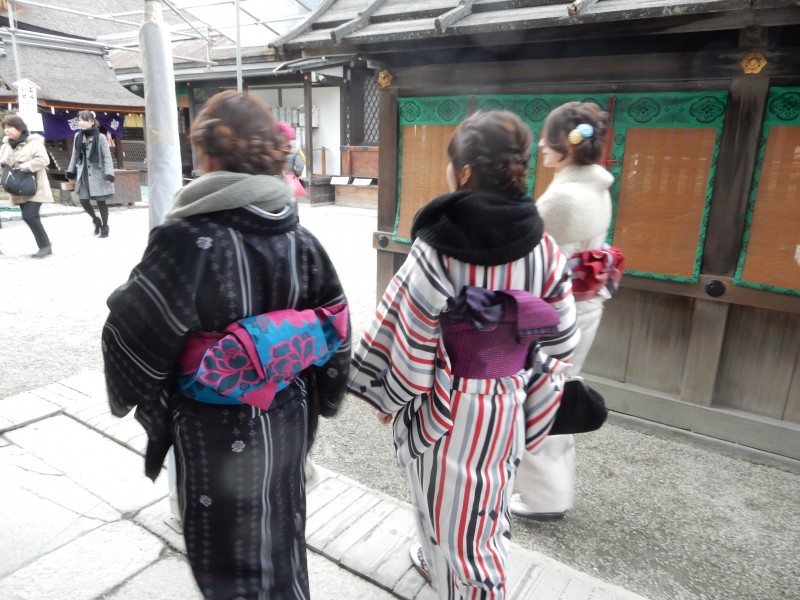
(97, 224)
(104, 231)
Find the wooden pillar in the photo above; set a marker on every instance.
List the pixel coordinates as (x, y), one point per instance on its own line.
(192, 116)
(118, 151)
(704, 351)
(309, 141)
(387, 187)
(741, 137)
(357, 81)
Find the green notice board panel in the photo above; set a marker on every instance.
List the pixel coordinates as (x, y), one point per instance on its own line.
(663, 153)
(426, 124)
(771, 243)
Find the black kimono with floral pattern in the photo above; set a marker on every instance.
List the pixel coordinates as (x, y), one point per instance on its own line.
(240, 469)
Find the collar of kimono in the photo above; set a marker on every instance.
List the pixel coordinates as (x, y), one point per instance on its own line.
(481, 228)
(224, 190)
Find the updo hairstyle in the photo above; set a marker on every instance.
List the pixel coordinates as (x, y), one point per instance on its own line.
(239, 131)
(563, 120)
(497, 146)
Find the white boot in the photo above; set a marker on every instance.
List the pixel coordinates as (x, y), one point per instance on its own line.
(545, 482)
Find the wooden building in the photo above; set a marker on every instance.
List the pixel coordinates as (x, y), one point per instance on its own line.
(71, 73)
(705, 104)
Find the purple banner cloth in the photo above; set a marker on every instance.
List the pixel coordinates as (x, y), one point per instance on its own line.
(64, 124)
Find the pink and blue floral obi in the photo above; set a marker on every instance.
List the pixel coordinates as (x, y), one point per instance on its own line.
(255, 358)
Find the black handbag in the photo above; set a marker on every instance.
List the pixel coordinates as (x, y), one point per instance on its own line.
(18, 183)
(582, 409)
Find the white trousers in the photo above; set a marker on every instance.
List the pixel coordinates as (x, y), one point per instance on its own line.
(546, 478)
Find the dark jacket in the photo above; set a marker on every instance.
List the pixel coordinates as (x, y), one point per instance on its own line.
(100, 174)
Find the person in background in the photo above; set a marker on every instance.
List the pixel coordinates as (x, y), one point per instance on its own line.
(24, 150)
(576, 209)
(231, 252)
(464, 415)
(295, 164)
(92, 168)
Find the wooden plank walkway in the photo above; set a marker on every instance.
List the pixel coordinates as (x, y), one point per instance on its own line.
(362, 530)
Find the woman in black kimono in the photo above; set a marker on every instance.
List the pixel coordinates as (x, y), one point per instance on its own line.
(231, 248)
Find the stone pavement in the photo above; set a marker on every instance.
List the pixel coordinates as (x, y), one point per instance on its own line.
(81, 522)
(665, 513)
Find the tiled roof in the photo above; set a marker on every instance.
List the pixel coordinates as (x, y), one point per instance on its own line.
(361, 24)
(66, 78)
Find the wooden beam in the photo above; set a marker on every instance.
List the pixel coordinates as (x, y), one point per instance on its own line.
(444, 21)
(387, 159)
(741, 137)
(675, 66)
(388, 264)
(577, 8)
(382, 240)
(762, 433)
(733, 294)
(531, 32)
(279, 43)
(704, 352)
(309, 134)
(361, 21)
(136, 110)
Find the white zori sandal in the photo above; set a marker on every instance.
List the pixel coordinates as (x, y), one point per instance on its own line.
(420, 562)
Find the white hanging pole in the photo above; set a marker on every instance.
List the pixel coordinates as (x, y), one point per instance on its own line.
(239, 85)
(12, 27)
(161, 111)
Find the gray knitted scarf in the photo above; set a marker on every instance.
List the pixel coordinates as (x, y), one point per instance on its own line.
(224, 190)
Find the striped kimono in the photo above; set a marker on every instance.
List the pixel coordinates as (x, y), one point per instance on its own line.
(461, 439)
(240, 469)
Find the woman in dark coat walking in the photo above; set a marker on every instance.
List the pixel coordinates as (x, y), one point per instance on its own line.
(92, 168)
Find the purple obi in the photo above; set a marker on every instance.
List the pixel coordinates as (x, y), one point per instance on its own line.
(488, 334)
(255, 358)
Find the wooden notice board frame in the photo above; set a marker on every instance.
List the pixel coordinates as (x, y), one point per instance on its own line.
(678, 111)
(422, 117)
(663, 199)
(422, 171)
(772, 224)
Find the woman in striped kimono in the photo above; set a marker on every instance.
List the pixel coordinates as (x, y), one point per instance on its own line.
(461, 437)
(231, 248)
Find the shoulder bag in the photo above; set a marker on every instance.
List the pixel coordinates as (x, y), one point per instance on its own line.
(18, 183)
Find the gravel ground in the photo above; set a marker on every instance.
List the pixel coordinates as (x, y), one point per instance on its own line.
(664, 517)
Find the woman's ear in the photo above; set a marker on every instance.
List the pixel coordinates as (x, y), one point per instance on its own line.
(464, 176)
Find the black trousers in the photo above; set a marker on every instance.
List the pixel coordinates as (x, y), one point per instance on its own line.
(30, 214)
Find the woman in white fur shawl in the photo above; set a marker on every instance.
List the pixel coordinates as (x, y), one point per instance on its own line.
(576, 209)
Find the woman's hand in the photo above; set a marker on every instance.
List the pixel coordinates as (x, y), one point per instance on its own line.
(384, 418)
